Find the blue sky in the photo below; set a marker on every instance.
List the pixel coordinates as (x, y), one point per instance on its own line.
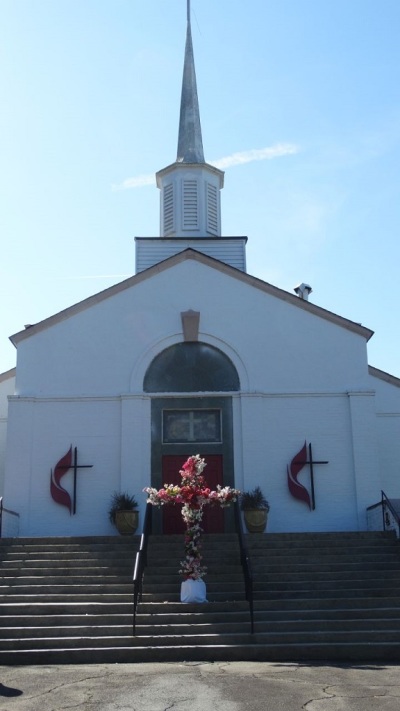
(306, 91)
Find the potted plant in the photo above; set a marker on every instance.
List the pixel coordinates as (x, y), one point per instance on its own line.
(123, 513)
(255, 508)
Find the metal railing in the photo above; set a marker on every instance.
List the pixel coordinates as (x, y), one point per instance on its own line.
(387, 507)
(384, 515)
(246, 564)
(3, 511)
(141, 562)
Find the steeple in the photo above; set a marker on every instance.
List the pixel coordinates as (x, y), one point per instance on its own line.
(190, 144)
(190, 191)
(190, 188)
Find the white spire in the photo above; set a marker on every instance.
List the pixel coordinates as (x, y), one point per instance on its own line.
(190, 144)
(190, 188)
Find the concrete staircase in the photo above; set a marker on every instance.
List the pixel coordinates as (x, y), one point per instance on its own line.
(327, 596)
(318, 597)
(63, 599)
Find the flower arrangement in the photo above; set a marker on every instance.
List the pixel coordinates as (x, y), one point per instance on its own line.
(193, 494)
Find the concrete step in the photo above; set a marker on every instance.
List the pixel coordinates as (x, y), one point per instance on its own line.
(338, 615)
(312, 538)
(376, 629)
(41, 621)
(326, 603)
(67, 589)
(321, 568)
(99, 575)
(318, 652)
(69, 549)
(45, 568)
(287, 556)
(193, 638)
(384, 618)
(307, 594)
(261, 603)
(66, 598)
(62, 580)
(391, 547)
(343, 584)
(112, 606)
(96, 586)
(77, 554)
(125, 640)
(149, 631)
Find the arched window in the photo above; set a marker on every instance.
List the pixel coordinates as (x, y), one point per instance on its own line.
(191, 367)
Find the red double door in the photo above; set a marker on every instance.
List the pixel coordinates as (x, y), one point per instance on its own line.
(213, 517)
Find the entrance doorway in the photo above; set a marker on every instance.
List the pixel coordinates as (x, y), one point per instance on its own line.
(183, 427)
(188, 423)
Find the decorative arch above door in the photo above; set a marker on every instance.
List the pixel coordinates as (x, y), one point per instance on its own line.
(191, 367)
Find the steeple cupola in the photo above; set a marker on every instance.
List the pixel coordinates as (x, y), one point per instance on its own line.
(190, 188)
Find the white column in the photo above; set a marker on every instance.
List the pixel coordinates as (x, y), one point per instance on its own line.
(365, 452)
(136, 448)
(18, 480)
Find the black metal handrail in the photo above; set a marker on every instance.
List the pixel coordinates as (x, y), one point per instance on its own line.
(141, 562)
(3, 509)
(385, 501)
(246, 564)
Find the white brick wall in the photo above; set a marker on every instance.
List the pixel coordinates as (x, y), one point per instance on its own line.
(302, 376)
(7, 385)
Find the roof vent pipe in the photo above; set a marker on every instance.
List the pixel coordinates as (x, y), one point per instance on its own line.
(303, 291)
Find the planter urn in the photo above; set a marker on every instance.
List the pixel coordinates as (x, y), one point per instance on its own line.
(127, 522)
(256, 520)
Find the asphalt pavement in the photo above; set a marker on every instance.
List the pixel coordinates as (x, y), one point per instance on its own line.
(197, 686)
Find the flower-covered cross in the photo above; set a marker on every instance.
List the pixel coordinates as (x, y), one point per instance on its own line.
(194, 494)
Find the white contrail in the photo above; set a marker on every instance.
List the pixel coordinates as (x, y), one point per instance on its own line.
(280, 149)
(139, 182)
(92, 276)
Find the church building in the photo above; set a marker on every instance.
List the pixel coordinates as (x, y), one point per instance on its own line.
(194, 355)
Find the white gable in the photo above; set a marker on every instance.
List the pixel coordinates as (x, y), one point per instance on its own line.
(284, 347)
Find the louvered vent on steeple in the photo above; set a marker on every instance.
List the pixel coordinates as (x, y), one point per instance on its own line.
(190, 205)
(212, 210)
(168, 212)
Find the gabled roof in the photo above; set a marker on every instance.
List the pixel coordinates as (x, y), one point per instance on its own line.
(8, 374)
(382, 375)
(191, 254)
